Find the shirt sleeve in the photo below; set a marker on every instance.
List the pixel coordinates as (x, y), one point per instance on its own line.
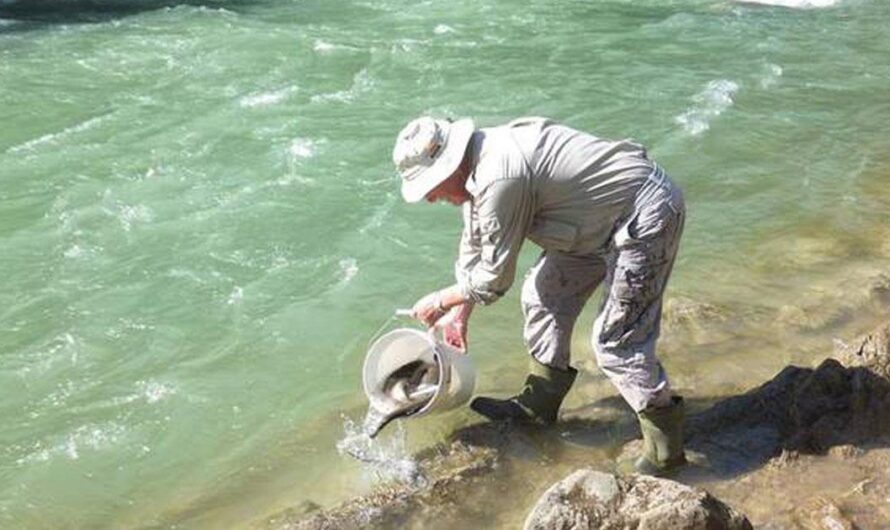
(469, 248)
(504, 212)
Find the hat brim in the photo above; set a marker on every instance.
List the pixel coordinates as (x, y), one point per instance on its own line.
(415, 190)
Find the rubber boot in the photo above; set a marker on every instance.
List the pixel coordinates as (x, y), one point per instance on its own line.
(539, 401)
(662, 429)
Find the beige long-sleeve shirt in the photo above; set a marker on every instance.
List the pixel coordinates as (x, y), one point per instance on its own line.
(563, 189)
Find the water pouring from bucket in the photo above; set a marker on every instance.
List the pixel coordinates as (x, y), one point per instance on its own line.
(409, 372)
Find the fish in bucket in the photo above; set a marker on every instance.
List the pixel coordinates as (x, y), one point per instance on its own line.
(409, 372)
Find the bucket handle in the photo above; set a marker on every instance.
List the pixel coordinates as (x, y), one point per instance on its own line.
(399, 313)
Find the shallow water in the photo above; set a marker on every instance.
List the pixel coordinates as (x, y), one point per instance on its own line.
(202, 230)
(386, 462)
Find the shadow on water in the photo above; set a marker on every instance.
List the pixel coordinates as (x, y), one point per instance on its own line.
(37, 14)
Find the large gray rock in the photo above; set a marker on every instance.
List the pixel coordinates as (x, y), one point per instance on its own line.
(589, 499)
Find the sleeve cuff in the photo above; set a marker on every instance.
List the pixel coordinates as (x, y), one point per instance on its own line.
(477, 297)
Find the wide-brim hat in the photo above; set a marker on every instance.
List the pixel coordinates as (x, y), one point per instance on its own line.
(428, 151)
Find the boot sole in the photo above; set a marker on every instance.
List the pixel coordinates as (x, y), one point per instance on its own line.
(499, 410)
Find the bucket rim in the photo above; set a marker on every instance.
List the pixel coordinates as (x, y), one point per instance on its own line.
(444, 369)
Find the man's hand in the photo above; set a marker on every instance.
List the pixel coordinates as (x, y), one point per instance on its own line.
(429, 309)
(454, 326)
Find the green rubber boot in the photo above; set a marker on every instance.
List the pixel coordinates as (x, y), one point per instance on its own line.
(539, 401)
(662, 439)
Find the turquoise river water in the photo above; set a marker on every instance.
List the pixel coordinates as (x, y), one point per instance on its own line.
(201, 228)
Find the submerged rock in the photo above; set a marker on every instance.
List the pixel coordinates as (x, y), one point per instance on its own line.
(879, 290)
(817, 316)
(589, 499)
(694, 321)
(307, 507)
(826, 308)
(795, 252)
(682, 312)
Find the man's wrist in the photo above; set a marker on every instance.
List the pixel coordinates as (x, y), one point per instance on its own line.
(439, 305)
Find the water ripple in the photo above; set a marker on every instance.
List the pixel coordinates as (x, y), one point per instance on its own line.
(362, 83)
(707, 105)
(793, 4)
(94, 437)
(55, 136)
(265, 99)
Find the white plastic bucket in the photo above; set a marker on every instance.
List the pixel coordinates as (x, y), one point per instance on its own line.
(454, 374)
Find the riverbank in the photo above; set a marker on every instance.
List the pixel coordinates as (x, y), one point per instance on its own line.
(809, 448)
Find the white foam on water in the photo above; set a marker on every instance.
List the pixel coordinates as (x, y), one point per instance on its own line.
(342, 96)
(74, 251)
(153, 391)
(301, 148)
(442, 29)
(78, 251)
(186, 274)
(125, 326)
(146, 391)
(265, 99)
(398, 242)
(71, 445)
(278, 262)
(707, 105)
(128, 215)
(58, 398)
(362, 83)
(323, 47)
(293, 178)
(348, 270)
(793, 4)
(236, 296)
(385, 459)
(53, 137)
(64, 345)
(67, 220)
(406, 45)
(771, 76)
(380, 214)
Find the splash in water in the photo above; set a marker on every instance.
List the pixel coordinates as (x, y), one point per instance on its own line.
(385, 460)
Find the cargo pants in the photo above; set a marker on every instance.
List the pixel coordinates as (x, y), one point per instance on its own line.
(634, 271)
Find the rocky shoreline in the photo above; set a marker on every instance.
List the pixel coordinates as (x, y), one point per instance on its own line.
(766, 453)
